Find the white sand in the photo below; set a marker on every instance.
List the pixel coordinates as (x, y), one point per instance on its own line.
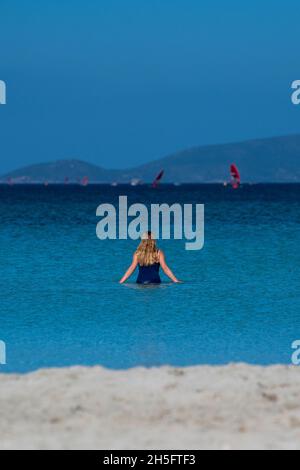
(232, 407)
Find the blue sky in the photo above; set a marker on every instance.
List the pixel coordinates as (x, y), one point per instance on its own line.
(119, 83)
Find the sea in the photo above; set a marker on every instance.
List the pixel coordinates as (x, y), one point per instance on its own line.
(62, 304)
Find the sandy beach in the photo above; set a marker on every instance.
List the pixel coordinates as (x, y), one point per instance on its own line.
(231, 407)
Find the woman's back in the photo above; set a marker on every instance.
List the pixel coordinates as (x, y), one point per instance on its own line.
(148, 258)
(149, 274)
(148, 261)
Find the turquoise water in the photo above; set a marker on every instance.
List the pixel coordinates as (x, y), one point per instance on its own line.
(61, 303)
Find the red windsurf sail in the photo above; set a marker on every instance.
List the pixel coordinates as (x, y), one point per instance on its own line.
(235, 176)
(158, 179)
(85, 181)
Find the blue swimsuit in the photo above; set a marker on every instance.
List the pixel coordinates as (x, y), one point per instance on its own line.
(149, 274)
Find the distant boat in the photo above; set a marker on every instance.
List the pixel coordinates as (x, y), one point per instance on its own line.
(235, 176)
(114, 184)
(158, 179)
(66, 180)
(136, 182)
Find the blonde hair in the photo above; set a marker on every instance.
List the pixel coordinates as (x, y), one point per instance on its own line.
(147, 252)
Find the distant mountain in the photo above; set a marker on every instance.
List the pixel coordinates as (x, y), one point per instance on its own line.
(265, 160)
(58, 171)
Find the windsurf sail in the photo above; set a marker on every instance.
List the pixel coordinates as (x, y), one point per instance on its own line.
(158, 179)
(235, 176)
(85, 181)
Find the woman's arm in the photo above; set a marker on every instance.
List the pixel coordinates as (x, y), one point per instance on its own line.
(130, 270)
(166, 268)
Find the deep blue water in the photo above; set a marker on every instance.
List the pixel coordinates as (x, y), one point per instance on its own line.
(61, 303)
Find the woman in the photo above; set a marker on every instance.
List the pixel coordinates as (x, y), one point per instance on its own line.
(149, 259)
